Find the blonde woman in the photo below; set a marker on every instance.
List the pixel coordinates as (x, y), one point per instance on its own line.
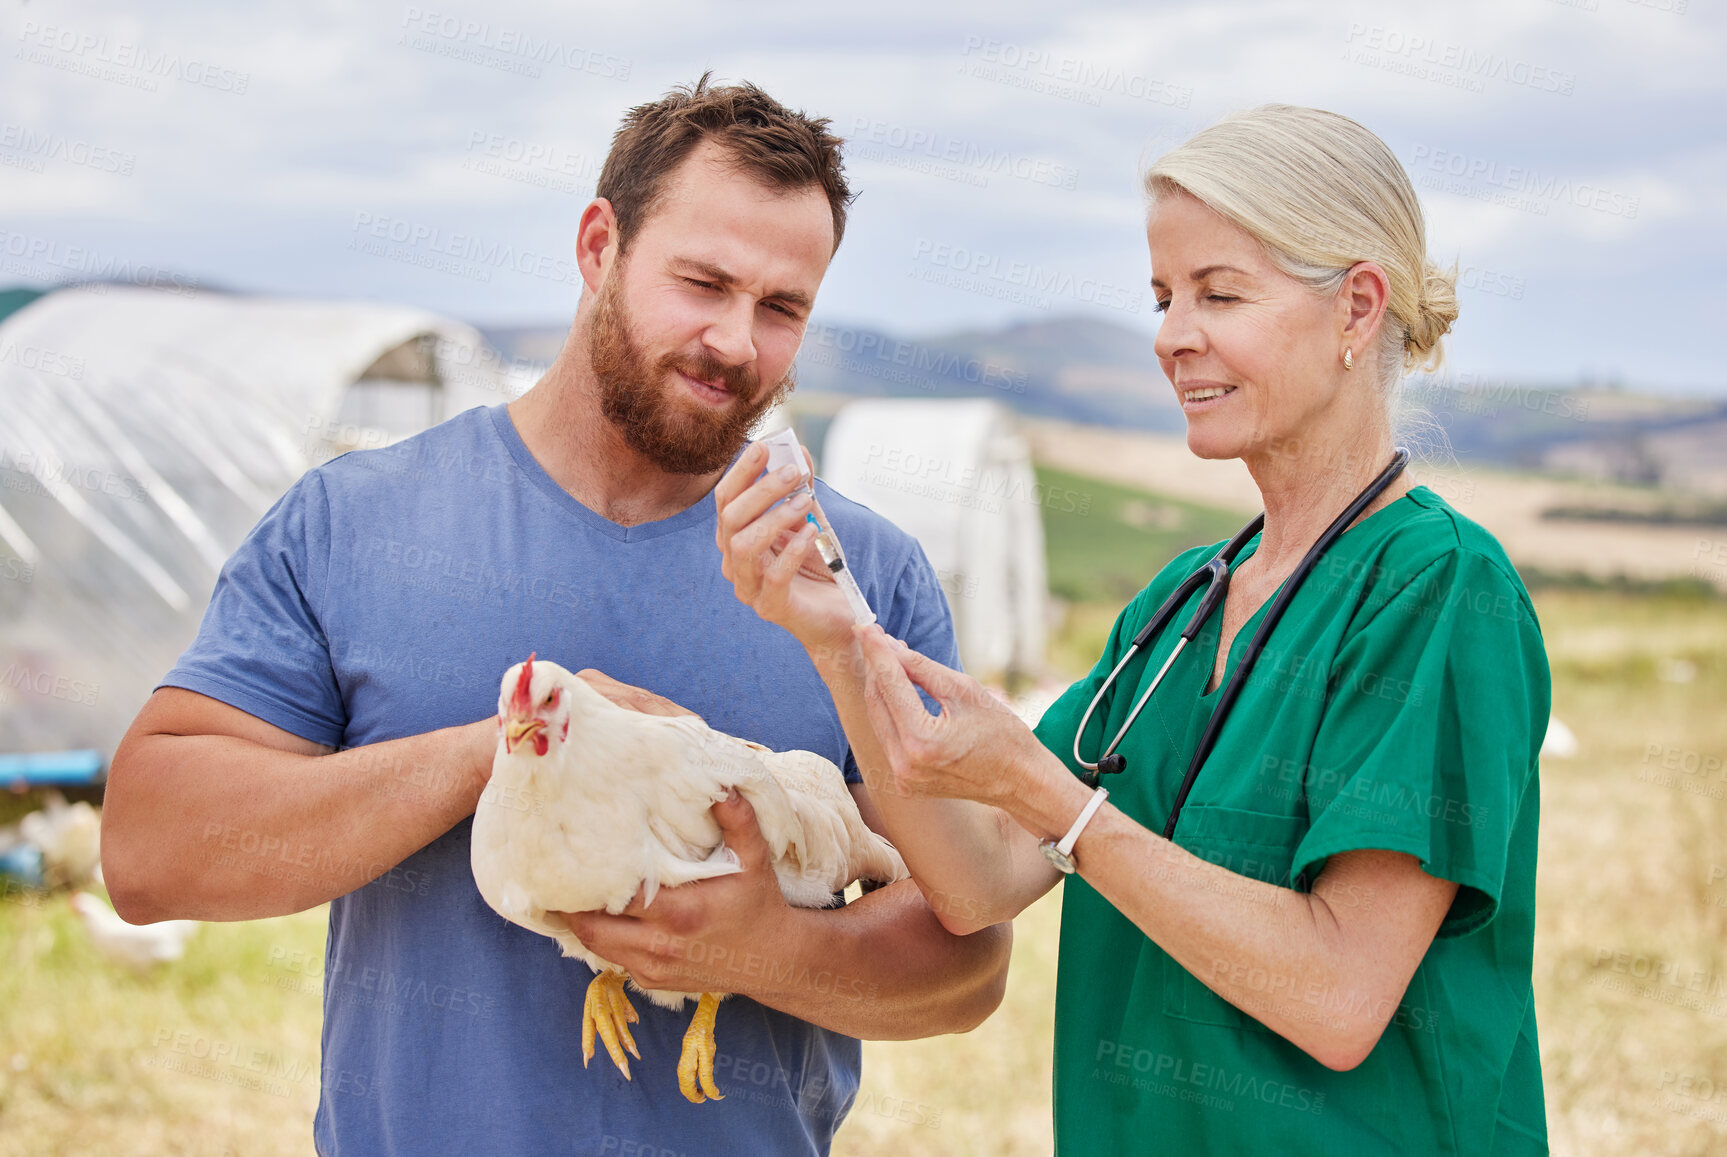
(1330, 951)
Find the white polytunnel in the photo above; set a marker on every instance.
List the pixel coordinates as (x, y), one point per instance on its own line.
(958, 477)
(143, 433)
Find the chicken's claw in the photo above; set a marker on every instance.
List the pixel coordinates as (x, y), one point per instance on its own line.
(696, 1065)
(608, 1011)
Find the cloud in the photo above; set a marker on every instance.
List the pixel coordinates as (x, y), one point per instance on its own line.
(257, 138)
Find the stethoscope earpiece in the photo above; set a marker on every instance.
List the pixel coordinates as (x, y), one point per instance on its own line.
(1112, 764)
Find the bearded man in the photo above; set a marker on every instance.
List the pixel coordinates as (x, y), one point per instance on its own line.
(327, 736)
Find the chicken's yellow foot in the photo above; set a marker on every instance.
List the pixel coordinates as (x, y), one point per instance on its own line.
(608, 1010)
(696, 1065)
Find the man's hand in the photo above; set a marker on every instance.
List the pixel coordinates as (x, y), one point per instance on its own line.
(767, 555)
(717, 935)
(635, 698)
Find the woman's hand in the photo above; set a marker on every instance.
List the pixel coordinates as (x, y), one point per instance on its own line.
(770, 555)
(976, 749)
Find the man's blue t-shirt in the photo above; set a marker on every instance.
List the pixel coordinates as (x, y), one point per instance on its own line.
(384, 596)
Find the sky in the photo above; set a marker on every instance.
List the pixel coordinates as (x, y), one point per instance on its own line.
(1571, 155)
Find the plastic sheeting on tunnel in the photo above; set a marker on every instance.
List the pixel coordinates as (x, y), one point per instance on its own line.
(958, 477)
(143, 433)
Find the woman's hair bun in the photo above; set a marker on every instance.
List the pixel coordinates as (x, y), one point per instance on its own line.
(1436, 309)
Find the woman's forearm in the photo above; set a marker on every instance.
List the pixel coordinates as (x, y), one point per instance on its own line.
(1325, 969)
(976, 867)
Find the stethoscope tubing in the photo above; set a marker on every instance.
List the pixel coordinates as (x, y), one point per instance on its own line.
(1214, 575)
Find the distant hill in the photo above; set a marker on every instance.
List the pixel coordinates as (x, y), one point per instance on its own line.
(1098, 373)
(1583, 431)
(1074, 368)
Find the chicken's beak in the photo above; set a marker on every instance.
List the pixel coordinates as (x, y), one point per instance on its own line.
(517, 729)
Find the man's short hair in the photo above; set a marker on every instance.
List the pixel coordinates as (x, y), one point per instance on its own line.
(757, 135)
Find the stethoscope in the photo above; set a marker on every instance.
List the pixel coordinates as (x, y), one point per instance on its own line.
(1214, 576)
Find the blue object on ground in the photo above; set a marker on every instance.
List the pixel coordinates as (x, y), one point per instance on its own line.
(75, 768)
(22, 864)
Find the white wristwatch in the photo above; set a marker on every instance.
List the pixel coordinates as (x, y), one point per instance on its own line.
(1061, 854)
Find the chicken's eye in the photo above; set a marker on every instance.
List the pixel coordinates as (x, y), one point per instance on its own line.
(552, 699)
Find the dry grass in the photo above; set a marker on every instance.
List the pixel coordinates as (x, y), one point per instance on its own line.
(1629, 846)
(1632, 862)
(102, 1063)
(984, 1093)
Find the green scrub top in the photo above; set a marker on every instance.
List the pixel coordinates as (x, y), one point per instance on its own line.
(1400, 704)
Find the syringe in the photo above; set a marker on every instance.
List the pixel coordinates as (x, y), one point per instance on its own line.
(783, 450)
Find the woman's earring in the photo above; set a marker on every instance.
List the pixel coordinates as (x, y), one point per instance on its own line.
(1348, 358)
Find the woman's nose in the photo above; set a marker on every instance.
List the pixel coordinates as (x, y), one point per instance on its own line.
(1178, 333)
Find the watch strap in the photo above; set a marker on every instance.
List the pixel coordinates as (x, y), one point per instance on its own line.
(1065, 846)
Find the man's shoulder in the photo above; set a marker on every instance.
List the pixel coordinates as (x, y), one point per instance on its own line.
(457, 452)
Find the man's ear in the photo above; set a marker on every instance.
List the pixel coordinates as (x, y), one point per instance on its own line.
(596, 242)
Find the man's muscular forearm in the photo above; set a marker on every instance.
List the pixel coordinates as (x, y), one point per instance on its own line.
(213, 814)
(880, 968)
(905, 976)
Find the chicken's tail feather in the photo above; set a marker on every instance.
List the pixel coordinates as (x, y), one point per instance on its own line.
(875, 859)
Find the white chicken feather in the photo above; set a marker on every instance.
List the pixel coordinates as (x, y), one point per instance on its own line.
(590, 801)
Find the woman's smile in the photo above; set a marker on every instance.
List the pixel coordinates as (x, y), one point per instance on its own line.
(1201, 396)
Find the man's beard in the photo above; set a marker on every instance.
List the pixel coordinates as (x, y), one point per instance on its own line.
(636, 396)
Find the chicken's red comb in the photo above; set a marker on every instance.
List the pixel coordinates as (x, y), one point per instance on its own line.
(521, 704)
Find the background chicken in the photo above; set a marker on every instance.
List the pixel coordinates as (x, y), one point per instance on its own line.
(70, 837)
(138, 946)
(590, 801)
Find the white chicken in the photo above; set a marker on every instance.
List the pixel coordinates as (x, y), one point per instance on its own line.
(70, 838)
(139, 946)
(590, 801)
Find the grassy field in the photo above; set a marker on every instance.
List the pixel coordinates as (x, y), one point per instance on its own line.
(1631, 952)
(214, 1055)
(1102, 552)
